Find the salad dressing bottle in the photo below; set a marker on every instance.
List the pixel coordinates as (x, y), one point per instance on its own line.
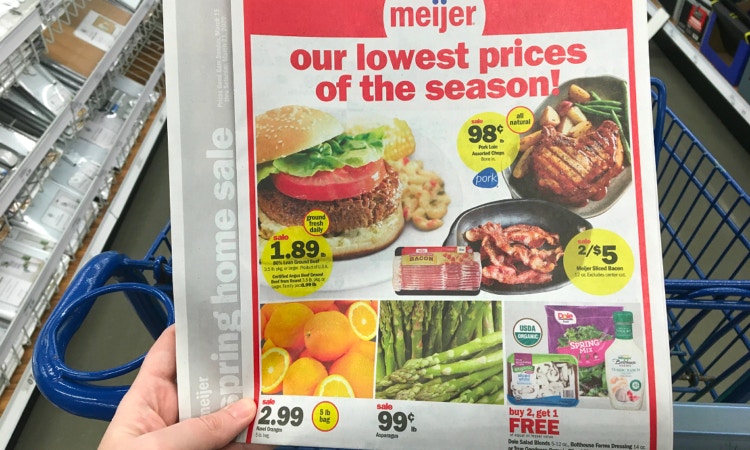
(624, 366)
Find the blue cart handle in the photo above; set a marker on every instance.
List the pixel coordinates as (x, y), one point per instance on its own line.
(70, 389)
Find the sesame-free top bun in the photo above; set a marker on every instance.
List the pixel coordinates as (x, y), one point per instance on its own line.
(291, 129)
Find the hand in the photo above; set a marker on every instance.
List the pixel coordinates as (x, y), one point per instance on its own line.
(147, 415)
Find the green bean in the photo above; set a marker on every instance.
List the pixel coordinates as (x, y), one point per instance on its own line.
(598, 111)
(615, 103)
(623, 138)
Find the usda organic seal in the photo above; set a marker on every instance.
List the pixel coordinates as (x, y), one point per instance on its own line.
(527, 332)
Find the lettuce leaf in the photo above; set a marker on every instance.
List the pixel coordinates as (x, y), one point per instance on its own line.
(341, 151)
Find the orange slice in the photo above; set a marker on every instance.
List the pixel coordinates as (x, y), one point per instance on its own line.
(274, 366)
(363, 319)
(267, 346)
(334, 386)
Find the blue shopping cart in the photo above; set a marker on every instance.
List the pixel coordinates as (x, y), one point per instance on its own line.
(146, 283)
(706, 250)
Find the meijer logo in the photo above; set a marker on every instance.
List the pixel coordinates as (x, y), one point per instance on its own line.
(435, 15)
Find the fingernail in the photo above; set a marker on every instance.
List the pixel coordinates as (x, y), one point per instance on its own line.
(242, 409)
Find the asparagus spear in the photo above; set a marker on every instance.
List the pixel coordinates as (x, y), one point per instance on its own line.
(407, 373)
(379, 363)
(436, 328)
(406, 391)
(487, 387)
(488, 322)
(393, 390)
(452, 388)
(461, 367)
(469, 322)
(386, 337)
(399, 346)
(427, 330)
(457, 353)
(416, 329)
(497, 398)
(451, 322)
(406, 313)
(497, 315)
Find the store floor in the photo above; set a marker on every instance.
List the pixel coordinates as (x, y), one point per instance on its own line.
(112, 334)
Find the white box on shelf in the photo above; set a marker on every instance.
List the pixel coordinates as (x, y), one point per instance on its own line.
(51, 212)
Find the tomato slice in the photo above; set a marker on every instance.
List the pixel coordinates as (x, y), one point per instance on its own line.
(340, 183)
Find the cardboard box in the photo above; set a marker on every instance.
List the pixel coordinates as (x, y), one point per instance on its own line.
(692, 19)
(726, 43)
(98, 22)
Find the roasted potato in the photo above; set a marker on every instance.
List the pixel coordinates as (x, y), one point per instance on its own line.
(578, 94)
(522, 165)
(576, 115)
(565, 125)
(580, 129)
(549, 117)
(529, 140)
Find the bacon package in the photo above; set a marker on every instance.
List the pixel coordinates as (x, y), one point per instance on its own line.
(437, 270)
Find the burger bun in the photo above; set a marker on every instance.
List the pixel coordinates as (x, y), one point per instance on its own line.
(290, 129)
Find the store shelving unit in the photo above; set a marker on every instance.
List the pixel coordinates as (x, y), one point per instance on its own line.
(733, 108)
(137, 54)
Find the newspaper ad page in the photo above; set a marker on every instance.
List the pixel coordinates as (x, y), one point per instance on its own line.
(202, 185)
(429, 224)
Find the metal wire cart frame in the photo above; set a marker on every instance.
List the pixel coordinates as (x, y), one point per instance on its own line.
(706, 251)
(704, 217)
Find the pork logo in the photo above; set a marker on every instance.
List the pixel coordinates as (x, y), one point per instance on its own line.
(487, 178)
(565, 318)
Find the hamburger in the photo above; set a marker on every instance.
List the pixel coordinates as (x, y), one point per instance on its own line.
(305, 162)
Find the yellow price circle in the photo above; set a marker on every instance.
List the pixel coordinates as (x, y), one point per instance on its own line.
(486, 141)
(598, 261)
(316, 222)
(296, 263)
(325, 416)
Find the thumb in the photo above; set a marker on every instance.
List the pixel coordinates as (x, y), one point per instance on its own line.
(213, 430)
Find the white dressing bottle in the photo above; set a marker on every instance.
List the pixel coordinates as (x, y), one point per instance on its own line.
(625, 366)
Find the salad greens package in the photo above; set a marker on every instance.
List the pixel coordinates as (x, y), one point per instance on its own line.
(585, 332)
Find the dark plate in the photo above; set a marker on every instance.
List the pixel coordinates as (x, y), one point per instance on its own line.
(546, 215)
(608, 88)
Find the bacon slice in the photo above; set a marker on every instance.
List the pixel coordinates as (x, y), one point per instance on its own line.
(518, 254)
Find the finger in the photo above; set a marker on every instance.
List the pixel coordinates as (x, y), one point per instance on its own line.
(160, 361)
(152, 390)
(213, 430)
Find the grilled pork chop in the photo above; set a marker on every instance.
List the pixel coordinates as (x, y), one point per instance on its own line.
(573, 171)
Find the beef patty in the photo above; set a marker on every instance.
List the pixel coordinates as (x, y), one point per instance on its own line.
(356, 212)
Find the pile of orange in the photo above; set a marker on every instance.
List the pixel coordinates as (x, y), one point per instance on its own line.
(323, 348)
